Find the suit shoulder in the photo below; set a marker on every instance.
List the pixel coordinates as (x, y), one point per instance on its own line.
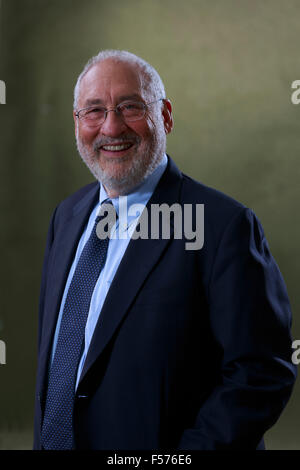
(215, 200)
(65, 209)
(220, 211)
(69, 202)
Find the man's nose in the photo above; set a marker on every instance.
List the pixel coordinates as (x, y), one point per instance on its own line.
(114, 124)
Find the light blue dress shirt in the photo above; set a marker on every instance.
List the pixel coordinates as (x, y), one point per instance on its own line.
(120, 237)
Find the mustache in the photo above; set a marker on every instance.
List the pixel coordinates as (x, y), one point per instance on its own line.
(134, 139)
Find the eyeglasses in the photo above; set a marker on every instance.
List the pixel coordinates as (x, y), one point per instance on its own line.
(129, 111)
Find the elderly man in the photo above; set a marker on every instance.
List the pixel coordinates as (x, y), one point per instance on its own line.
(143, 343)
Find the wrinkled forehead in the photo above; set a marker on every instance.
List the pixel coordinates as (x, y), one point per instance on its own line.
(111, 82)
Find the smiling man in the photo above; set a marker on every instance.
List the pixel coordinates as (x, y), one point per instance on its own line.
(142, 343)
(126, 151)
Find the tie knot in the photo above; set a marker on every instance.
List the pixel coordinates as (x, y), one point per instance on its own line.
(106, 219)
(106, 210)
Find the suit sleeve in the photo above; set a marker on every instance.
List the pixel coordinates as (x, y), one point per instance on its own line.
(50, 238)
(47, 255)
(250, 319)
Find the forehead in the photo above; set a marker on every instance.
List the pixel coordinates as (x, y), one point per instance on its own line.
(109, 82)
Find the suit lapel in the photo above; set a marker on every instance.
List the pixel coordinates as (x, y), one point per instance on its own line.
(132, 273)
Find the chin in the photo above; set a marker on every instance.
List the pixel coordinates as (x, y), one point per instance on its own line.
(123, 174)
(121, 180)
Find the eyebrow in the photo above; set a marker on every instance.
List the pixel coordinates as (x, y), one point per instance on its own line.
(91, 102)
(134, 96)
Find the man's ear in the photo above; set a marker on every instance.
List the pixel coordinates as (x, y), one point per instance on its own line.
(75, 122)
(167, 116)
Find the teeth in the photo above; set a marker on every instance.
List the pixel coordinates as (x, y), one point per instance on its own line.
(116, 148)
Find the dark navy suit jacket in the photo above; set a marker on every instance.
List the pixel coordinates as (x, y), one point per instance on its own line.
(192, 349)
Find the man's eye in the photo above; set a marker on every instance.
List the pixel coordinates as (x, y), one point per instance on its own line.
(130, 106)
(95, 111)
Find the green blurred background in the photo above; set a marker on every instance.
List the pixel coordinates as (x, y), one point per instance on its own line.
(227, 65)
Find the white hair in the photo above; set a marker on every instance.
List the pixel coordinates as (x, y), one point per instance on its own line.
(152, 82)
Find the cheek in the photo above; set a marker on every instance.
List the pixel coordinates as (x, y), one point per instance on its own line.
(87, 135)
(144, 129)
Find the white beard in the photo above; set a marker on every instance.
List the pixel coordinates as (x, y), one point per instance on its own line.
(143, 163)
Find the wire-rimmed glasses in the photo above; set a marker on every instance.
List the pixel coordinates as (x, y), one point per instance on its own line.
(129, 111)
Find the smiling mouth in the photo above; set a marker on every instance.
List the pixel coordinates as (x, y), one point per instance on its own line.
(116, 147)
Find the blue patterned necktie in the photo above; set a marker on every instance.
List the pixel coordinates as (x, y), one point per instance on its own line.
(57, 429)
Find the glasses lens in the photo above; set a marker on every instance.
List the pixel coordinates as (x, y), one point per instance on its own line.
(131, 110)
(95, 114)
